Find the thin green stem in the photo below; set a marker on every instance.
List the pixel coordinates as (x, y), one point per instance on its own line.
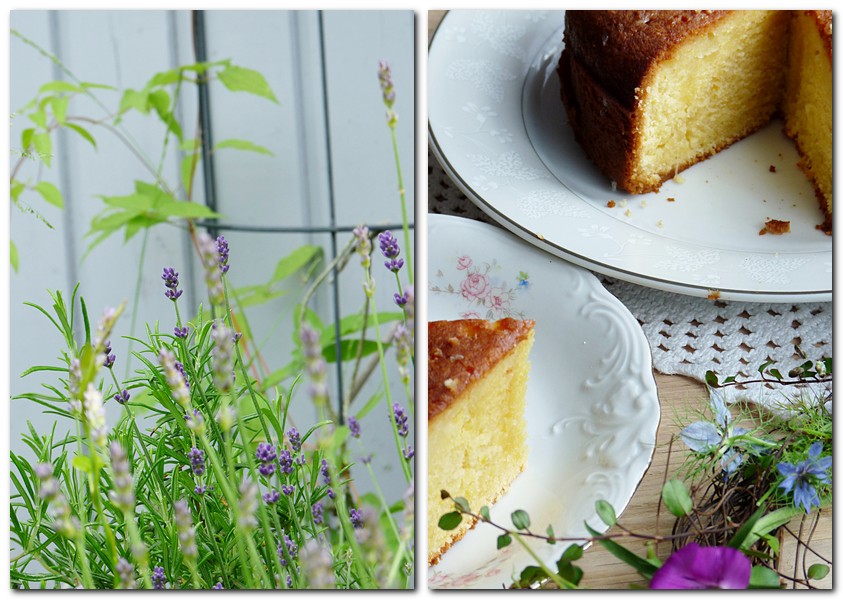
(402, 194)
(562, 583)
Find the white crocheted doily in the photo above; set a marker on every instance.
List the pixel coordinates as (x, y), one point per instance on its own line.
(690, 336)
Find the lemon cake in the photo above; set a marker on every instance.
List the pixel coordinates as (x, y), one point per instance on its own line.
(650, 93)
(477, 434)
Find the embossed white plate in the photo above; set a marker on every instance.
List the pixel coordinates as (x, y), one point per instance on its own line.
(592, 409)
(498, 127)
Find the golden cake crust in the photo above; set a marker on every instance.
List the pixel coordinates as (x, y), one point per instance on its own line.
(618, 47)
(460, 352)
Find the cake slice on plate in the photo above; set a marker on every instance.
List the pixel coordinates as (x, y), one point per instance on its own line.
(477, 434)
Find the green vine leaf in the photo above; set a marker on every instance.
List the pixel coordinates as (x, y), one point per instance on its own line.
(606, 512)
(13, 256)
(83, 132)
(818, 571)
(504, 540)
(243, 145)
(763, 577)
(50, 193)
(520, 519)
(241, 79)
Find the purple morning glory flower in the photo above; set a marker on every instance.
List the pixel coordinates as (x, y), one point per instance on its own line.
(171, 282)
(695, 567)
(801, 477)
(354, 426)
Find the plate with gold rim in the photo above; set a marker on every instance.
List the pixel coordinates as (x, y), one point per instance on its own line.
(497, 126)
(592, 405)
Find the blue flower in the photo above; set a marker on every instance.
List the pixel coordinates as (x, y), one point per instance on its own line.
(705, 436)
(802, 477)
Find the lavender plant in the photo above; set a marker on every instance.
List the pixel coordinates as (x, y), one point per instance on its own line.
(202, 480)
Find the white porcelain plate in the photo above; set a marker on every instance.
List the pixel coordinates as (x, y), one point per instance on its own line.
(592, 408)
(497, 125)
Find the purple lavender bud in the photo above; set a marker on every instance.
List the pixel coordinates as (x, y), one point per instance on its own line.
(400, 419)
(195, 422)
(248, 505)
(266, 469)
(318, 566)
(408, 452)
(394, 264)
(400, 299)
(200, 489)
(285, 462)
(175, 378)
(265, 452)
(289, 581)
(389, 244)
(300, 459)
(184, 525)
(292, 550)
(109, 357)
(211, 265)
(331, 494)
(159, 579)
(171, 282)
(356, 518)
(222, 358)
(122, 396)
(222, 250)
(218, 586)
(363, 246)
(126, 574)
(197, 460)
(366, 460)
(180, 369)
(181, 332)
(295, 439)
(385, 79)
(271, 497)
(287, 490)
(326, 473)
(123, 493)
(318, 517)
(354, 426)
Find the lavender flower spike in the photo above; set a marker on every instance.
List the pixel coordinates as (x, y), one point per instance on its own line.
(123, 493)
(315, 364)
(694, 567)
(171, 282)
(211, 264)
(159, 579)
(122, 397)
(109, 357)
(354, 426)
(248, 505)
(64, 521)
(388, 90)
(95, 415)
(223, 356)
(126, 574)
(175, 379)
(363, 245)
(184, 525)
(318, 566)
(222, 251)
(105, 327)
(400, 419)
(197, 461)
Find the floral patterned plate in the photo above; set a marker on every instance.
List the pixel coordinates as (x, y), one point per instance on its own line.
(592, 408)
(498, 127)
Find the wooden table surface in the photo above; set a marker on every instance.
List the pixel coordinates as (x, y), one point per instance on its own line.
(679, 397)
